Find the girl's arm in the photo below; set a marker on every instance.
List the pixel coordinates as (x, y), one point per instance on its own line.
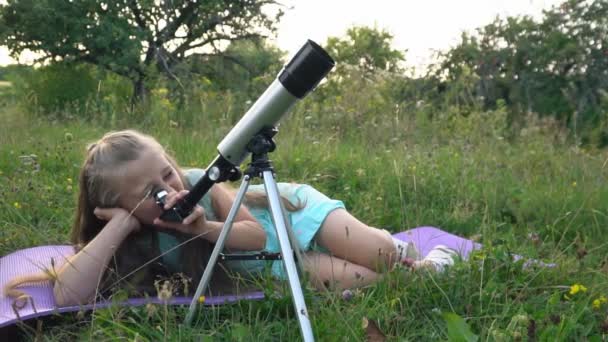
(78, 279)
(246, 232)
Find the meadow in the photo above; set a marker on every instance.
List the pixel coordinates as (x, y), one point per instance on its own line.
(533, 192)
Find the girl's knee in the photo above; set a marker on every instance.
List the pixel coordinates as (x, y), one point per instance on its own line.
(387, 251)
(376, 252)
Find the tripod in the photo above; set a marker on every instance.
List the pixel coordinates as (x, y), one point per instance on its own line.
(259, 146)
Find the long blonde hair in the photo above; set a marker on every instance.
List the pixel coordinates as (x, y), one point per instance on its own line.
(132, 261)
(131, 264)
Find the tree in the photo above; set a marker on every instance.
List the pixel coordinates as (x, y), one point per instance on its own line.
(246, 66)
(557, 66)
(368, 49)
(132, 38)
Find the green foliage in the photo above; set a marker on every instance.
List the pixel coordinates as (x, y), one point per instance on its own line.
(208, 82)
(400, 152)
(71, 91)
(81, 31)
(245, 67)
(536, 197)
(9, 72)
(458, 329)
(115, 35)
(368, 49)
(554, 67)
(58, 86)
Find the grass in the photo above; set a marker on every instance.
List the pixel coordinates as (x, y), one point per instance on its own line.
(531, 195)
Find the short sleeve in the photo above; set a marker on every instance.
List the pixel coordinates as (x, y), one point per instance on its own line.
(193, 176)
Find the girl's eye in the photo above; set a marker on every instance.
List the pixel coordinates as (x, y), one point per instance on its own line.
(168, 175)
(153, 190)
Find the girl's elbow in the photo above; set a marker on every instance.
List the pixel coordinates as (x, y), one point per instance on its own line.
(261, 242)
(62, 299)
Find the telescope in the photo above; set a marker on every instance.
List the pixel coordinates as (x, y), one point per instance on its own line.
(253, 135)
(298, 77)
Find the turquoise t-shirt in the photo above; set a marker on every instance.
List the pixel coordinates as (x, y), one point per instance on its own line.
(305, 223)
(168, 241)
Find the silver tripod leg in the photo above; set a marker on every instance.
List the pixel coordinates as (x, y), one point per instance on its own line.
(293, 240)
(219, 247)
(276, 209)
(286, 241)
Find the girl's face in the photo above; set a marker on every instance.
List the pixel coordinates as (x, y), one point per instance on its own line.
(142, 177)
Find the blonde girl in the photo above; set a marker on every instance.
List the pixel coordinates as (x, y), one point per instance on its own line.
(120, 242)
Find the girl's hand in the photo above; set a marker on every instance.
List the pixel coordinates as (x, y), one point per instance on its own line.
(194, 224)
(120, 214)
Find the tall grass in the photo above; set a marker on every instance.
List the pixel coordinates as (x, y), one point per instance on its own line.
(531, 193)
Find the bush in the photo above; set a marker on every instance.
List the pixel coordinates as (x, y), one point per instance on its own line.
(57, 87)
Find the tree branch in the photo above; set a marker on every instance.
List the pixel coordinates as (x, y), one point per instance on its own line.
(229, 58)
(137, 14)
(171, 28)
(191, 37)
(163, 62)
(142, 25)
(225, 37)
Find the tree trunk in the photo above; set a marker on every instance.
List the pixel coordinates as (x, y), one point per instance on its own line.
(140, 92)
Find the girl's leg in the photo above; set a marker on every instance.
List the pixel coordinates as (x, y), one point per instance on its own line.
(327, 271)
(350, 239)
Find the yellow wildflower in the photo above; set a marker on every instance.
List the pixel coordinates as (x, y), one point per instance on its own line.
(17, 205)
(576, 288)
(165, 103)
(160, 91)
(597, 303)
(479, 255)
(201, 299)
(574, 184)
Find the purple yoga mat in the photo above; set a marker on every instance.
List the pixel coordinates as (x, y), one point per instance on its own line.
(42, 303)
(32, 260)
(425, 238)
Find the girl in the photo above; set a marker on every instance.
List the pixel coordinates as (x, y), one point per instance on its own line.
(119, 238)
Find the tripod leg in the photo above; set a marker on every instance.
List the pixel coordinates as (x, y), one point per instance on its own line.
(293, 240)
(219, 246)
(286, 250)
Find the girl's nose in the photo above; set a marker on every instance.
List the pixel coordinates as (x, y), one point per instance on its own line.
(174, 185)
(172, 188)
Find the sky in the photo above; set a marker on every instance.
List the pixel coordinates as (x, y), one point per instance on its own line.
(420, 27)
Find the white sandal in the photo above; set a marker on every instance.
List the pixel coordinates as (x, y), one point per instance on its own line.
(438, 258)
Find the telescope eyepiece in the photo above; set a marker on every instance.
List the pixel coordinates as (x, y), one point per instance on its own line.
(306, 69)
